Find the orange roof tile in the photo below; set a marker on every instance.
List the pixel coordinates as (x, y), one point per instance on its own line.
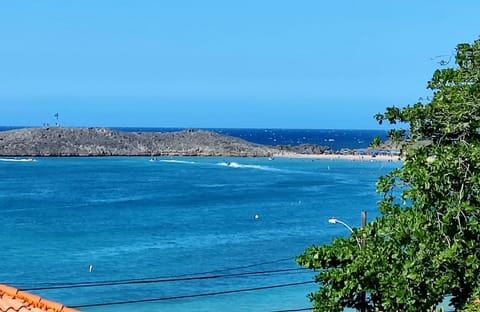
(15, 300)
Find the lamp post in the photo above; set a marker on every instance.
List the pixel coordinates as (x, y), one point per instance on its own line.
(334, 220)
(361, 244)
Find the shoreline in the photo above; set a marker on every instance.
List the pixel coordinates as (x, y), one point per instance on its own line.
(98, 142)
(387, 158)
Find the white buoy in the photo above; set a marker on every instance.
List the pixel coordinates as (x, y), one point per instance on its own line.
(90, 268)
(257, 217)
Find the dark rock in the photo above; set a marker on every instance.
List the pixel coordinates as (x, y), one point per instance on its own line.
(61, 141)
(305, 149)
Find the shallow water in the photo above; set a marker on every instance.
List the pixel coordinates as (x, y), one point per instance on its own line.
(188, 223)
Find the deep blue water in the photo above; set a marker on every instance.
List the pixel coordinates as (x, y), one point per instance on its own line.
(335, 139)
(134, 220)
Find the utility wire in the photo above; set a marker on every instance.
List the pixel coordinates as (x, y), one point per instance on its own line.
(187, 277)
(46, 286)
(164, 280)
(189, 296)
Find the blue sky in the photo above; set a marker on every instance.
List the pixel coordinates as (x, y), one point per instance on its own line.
(242, 64)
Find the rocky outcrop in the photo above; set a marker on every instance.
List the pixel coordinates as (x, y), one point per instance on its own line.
(59, 141)
(305, 149)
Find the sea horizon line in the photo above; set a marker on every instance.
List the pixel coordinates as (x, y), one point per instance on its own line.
(3, 128)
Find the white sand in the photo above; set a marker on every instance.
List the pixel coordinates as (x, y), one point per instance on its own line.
(340, 157)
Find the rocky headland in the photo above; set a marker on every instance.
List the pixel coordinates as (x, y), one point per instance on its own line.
(60, 141)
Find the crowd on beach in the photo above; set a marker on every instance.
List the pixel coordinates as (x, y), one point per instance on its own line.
(389, 157)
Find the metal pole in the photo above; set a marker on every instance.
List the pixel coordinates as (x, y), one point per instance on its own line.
(335, 221)
(364, 299)
(361, 245)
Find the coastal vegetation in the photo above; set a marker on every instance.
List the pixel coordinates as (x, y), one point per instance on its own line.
(425, 245)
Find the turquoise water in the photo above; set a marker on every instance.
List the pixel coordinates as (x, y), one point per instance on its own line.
(201, 231)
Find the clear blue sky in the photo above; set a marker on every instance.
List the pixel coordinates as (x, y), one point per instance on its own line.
(217, 63)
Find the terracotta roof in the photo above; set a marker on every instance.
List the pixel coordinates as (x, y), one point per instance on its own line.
(15, 300)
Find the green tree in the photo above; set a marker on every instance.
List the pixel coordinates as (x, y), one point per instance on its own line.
(426, 243)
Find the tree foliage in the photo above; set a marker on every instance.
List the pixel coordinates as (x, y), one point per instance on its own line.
(425, 245)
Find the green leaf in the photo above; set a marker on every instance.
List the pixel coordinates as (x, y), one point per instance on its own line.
(425, 245)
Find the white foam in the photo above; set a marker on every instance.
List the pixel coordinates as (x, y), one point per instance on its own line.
(18, 159)
(176, 161)
(237, 165)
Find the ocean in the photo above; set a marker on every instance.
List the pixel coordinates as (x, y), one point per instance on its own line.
(176, 234)
(333, 138)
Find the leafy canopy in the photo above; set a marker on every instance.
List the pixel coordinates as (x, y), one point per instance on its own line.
(426, 243)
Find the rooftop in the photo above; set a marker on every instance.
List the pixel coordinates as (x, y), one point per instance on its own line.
(15, 300)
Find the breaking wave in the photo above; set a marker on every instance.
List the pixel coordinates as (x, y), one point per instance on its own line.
(237, 165)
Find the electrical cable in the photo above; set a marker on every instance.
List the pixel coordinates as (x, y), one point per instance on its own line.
(44, 286)
(188, 296)
(187, 277)
(164, 280)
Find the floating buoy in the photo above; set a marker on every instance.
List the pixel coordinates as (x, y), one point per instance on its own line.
(257, 217)
(90, 268)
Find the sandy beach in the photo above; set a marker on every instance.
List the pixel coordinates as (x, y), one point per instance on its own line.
(388, 158)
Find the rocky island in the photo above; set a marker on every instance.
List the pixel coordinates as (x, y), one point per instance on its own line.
(60, 141)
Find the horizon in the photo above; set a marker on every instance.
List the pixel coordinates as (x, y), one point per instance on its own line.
(2, 128)
(268, 64)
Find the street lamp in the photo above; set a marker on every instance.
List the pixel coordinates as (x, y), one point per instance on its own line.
(334, 220)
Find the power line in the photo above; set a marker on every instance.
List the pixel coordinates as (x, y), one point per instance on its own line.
(171, 276)
(187, 277)
(190, 296)
(42, 286)
(164, 280)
